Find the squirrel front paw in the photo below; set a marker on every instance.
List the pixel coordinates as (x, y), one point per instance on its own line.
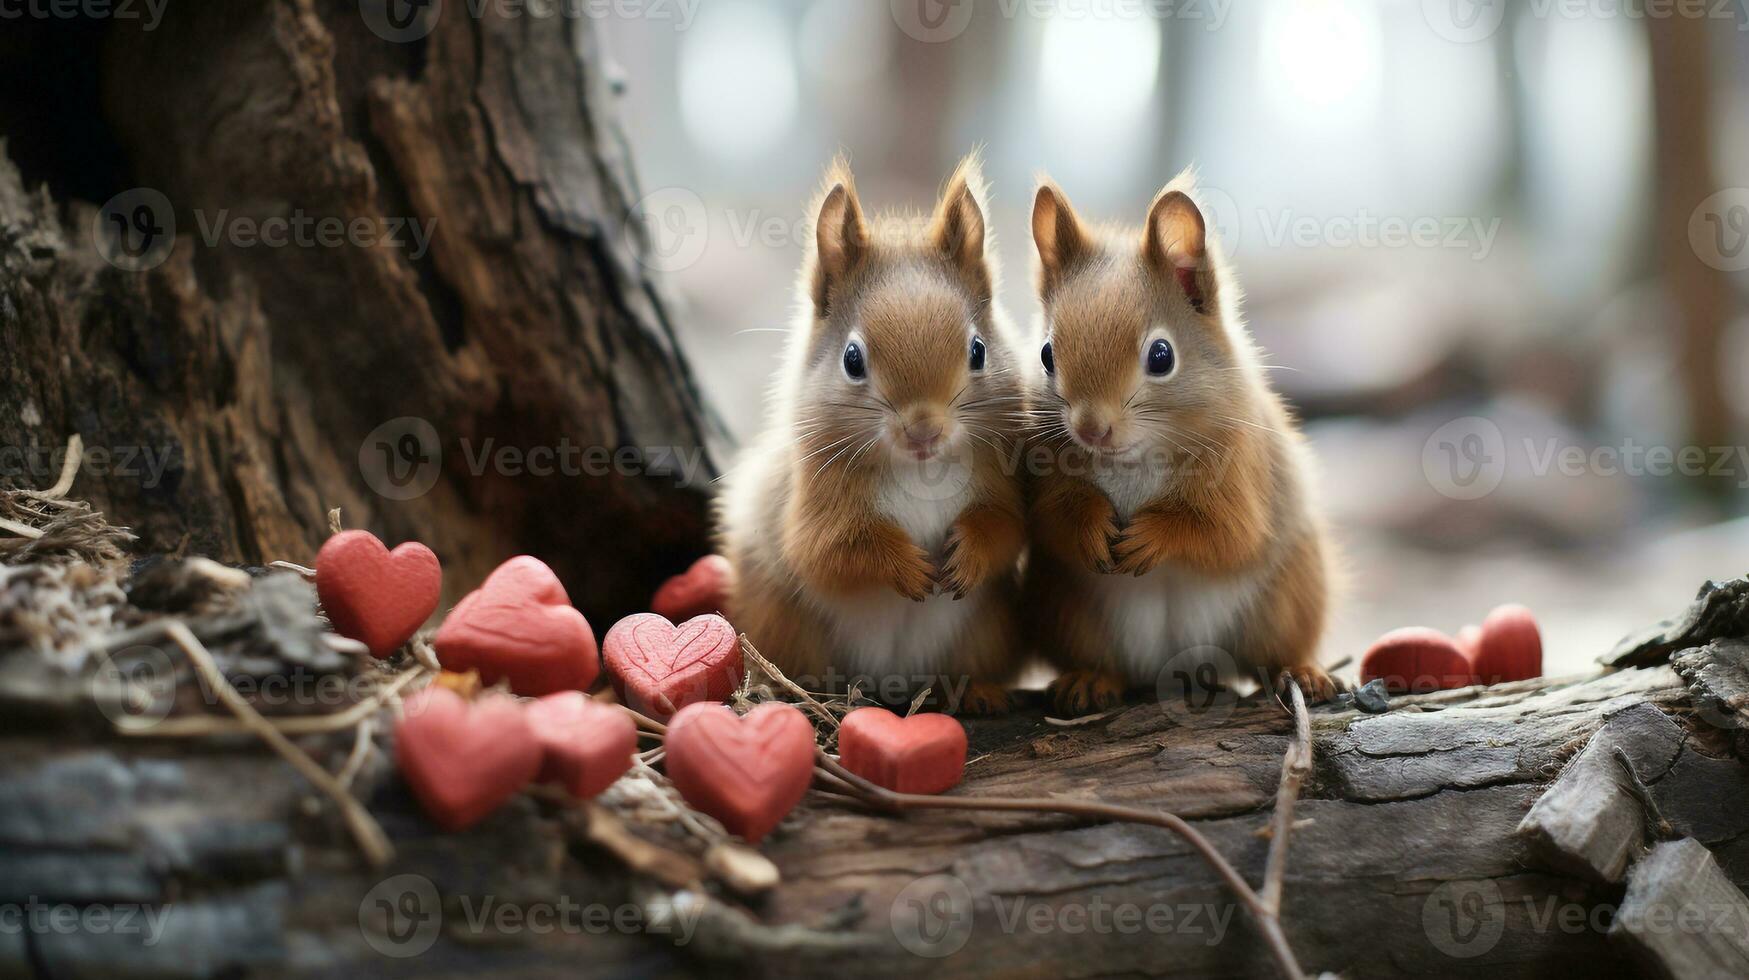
(1142, 546)
(981, 544)
(912, 576)
(1095, 533)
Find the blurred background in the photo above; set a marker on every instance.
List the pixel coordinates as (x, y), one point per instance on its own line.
(1495, 251)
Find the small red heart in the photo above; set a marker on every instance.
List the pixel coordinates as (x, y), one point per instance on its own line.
(464, 760)
(1511, 646)
(376, 596)
(586, 745)
(1416, 659)
(520, 626)
(748, 772)
(659, 668)
(919, 754)
(704, 588)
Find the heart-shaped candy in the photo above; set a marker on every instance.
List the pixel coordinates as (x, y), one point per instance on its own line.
(659, 668)
(1416, 659)
(520, 626)
(373, 595)
(586, 745)
(748, 772)
(919, 754)
(704, 588)
(462, 759)
(1510, 647)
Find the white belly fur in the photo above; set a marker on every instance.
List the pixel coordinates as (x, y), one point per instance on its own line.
(882, 634)
(1170, 610)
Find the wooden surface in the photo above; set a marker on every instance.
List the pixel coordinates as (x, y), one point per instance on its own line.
(233, 388)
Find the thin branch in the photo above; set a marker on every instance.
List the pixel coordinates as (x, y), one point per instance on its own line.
(1295, 765)
(371, 839)
(846, 781)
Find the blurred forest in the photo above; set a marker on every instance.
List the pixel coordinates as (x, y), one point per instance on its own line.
(1495, 252)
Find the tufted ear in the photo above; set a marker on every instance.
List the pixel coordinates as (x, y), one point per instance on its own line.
(957, 230)
(840, 237)
(1175, 245)
(1058, 235)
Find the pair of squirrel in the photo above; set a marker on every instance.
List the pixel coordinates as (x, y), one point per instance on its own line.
(934, 497)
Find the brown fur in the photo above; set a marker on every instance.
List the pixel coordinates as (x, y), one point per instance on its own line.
(810, 518)
(1218, 500)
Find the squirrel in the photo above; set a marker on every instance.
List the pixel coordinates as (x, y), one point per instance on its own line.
(1175, 518)
(875, 527)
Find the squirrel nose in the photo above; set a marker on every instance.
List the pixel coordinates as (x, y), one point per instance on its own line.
(924, 434)
(1094, 433)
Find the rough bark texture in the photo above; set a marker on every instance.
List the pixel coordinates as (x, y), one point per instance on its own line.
(231, 395)
(1476, 832)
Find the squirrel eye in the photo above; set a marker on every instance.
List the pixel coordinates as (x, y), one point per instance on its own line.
(855, 368)
(1045, 356)
(978, 354)
(1160, 358)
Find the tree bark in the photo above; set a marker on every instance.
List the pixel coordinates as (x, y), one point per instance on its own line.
(232, 394)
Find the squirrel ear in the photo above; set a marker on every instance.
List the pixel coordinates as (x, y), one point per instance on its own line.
(958, 229)
(1175, 244)
(1057, 234)
(840, 240)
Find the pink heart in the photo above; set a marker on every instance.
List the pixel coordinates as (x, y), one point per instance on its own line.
(703, 588)
(659, 668)
(1510, 647)
(519, 626)
(376, 596)
(464, 760)
(586, 744)
(919, 754)
(1416, 659)
(748, 772)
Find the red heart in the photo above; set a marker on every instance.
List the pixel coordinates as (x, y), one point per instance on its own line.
(704, 588)
(520, 626)
(376, 596)
(919, 754)
(463, 760)
(586, 744)
(1511, 646)
(1416, 659)
(659, 668)
(748, 772)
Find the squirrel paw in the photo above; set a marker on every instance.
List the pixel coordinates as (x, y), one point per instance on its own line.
(985, 698)
(914, 579)
(1098, 539)
(1313, 680)
(1081, 692)
(1137, 551)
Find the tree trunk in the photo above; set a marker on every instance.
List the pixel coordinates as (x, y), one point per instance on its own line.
(510, 385)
